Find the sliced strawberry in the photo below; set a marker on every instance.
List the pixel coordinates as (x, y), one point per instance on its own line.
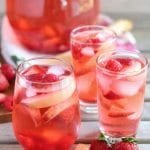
(35, 77)
(3, 82)
(35, 69)
(112, 96)
(8, 103)
(113, 65)
(43, 78)
(94, 41)
(125, 61)
(76, 51)
(8, 71)
(50, 78)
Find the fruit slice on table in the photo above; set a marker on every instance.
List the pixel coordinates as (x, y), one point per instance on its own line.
(52, 98)
(119, 112)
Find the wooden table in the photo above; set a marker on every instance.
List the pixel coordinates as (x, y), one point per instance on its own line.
(89, 127)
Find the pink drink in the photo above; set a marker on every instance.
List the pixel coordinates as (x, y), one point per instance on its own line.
(46, 110)
(44, 25)
(121, 78)
(87, 43)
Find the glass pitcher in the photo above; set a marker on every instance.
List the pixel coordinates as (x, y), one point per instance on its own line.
(44, 26)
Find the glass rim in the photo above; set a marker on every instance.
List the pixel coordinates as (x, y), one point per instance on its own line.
(92, 27)
(18, 73)
(133, 73)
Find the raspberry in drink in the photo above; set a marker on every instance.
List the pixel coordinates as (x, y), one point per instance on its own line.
(121, 79)
(44, 25)
(87, 43)
(46, 110)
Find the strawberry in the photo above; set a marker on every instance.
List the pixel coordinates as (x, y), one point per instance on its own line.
(3, 82)
(8, 71)
(100, 144)
(112, 96)
(50, 78)
(126, 144)
(113, 65)
(125, 61)
(8, 103)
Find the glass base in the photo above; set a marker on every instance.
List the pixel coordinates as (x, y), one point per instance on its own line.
(88, 107)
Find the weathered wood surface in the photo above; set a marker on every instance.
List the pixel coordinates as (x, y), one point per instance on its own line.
(138, 11)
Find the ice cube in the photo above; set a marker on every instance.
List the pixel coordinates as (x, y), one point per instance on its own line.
(87, 51)
(126, 88)
(57, 70)
(52, 98)
(102, 36)
(104, 82)
(134, 67)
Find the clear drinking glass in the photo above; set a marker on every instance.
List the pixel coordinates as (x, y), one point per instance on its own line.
(46, 108)
(121, 79)
(87, 43)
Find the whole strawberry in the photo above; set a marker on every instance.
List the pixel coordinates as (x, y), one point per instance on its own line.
(100, 144)
(126, 144)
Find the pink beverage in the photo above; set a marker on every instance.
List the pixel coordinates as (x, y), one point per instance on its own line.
(46, 109)
(87, 43)
(44, 26)
(121, 79)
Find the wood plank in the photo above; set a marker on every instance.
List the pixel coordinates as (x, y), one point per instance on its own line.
(19, 147)
(89, 130)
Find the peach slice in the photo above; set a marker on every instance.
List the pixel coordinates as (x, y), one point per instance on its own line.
(52, 98)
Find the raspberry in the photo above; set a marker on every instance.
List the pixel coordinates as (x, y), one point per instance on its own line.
(8, 71)
(113, 65)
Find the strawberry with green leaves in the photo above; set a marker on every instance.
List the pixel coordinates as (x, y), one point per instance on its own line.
(100, 144)
(126, 144)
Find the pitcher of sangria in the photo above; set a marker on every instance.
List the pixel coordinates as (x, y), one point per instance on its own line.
(44, 26)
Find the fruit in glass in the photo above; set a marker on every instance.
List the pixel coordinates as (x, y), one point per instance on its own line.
(44, 25)
(46, 110)
(121, 79)
(87, 43)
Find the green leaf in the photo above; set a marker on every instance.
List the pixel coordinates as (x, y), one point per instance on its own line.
(130, 139)
(15, 59)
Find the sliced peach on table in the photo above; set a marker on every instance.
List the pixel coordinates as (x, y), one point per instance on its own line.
(52, 98)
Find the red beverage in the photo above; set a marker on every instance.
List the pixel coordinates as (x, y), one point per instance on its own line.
(46, 110)
(87, 43)
(44, 25)
(121, 78)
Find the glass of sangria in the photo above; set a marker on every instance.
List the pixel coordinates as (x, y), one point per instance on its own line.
(46, 107)
(44, 26)
(87, 43)
(121, 79)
